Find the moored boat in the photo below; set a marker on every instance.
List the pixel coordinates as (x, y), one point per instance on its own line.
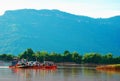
(33, 64)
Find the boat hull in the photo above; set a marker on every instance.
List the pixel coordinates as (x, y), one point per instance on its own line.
(35, 67)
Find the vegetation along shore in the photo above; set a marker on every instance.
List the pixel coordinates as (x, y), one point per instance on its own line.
(109, 67)
(68, 57)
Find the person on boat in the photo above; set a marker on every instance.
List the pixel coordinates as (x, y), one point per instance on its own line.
(37, 63)
(14, 62)
(34, 63)
(30, 63)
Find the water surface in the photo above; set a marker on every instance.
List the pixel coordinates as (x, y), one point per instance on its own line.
(60, 74)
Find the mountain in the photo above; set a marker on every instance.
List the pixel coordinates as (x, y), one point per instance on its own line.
(54, 30)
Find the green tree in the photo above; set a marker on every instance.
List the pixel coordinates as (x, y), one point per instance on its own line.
(43, 56)
(94, 58)
(117, 60)
(107, 59)
(27, 54)
(76, 57)
(6, 57)
(55, 57)
(37, 56)
(67, 56)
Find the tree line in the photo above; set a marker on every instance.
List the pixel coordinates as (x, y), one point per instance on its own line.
(88, 58)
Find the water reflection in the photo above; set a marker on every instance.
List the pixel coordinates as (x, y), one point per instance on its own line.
(60, 74)
(109, 71)
(33, 74)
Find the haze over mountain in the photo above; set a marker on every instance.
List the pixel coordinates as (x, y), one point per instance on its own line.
(54, 30)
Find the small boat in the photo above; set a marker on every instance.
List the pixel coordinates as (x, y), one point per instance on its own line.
(33, 65)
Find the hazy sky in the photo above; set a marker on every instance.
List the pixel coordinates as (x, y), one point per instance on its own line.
(92, 8)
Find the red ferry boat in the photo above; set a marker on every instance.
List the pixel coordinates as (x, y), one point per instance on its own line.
(33, 64)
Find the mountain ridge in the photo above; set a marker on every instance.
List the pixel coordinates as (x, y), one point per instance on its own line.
(54, 30)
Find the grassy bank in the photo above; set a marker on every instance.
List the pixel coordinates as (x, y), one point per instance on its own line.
(109, 67)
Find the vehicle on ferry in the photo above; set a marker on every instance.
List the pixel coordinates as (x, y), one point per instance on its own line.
(33, 64)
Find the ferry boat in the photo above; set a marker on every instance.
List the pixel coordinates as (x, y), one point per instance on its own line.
(33, 64)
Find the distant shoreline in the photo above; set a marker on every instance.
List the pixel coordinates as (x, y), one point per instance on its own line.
(74, 64)
(109, 67)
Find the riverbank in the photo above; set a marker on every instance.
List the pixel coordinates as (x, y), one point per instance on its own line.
(75, 64)
(109, 67)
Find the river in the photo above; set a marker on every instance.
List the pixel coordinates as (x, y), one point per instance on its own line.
(60, 74)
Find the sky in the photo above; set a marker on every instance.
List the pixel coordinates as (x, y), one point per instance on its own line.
(91, 8)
